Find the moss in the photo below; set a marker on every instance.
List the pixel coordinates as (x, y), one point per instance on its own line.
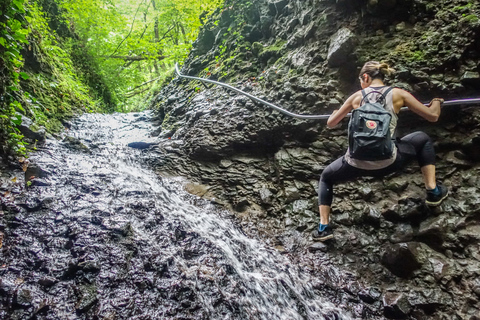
(462, 8)
(471, 18)
(407, 51)
(257, 47)
(272, 53)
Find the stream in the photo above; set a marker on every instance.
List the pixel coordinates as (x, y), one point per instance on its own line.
(99, 235)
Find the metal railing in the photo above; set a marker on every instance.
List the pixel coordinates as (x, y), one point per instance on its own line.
(307, 116)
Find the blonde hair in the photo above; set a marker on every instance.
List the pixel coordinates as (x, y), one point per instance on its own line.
(376, 70)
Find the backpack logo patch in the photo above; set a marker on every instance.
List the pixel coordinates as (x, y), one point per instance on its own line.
(371, 124)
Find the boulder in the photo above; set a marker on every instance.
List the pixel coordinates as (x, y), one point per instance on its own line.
(471, 78)
(401, 259)
(432, 231)
(342, 44)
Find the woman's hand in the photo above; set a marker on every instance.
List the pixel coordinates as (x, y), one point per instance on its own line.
(430, 113)
(441, 100)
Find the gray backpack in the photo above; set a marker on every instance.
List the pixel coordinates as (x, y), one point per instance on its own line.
(369, 136)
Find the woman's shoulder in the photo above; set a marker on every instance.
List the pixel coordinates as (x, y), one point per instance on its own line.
(399, 91)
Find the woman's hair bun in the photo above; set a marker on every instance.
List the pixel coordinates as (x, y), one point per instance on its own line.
(376, 69)
(385, 69)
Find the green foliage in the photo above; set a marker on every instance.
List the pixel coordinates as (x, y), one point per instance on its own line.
(13, 35)
(134, 42)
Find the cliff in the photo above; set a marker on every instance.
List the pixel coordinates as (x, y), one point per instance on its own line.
(397, 258)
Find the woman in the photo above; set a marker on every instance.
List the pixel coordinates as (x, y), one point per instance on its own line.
(415, 145)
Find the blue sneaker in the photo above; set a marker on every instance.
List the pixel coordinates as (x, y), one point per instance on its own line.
(435, 198)
(322, 235)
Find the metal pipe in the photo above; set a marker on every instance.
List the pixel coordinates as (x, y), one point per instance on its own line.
(306, 116)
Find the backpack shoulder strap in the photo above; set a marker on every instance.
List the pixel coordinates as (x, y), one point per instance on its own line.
(387, 91)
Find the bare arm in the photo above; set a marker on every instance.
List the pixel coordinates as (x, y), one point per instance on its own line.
(339, 114)
(430, 113)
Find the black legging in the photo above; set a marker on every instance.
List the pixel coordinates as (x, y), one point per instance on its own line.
(415, 145)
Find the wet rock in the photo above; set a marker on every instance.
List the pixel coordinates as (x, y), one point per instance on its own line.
(47, 281)
(39, 182)
(28, 129)
(24, 297)
(276, 7)
(372, 215)
(117, 226)
(411, 209)
(341, 45)
(428, 299)
(475, 286)
(6, 286)
(470, 233)
(403, 233)
(266, 195)
(36, 171)
(440, 267)
(300, 206)
(459, 159)
(75, 144)
(292, 194)
(87, 298)
(432, 231)
(318, 246)
(401, 259)
(395, 305)
(369, 295)
(31, 203)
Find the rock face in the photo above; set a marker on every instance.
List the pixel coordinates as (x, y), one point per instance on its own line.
(420, 262)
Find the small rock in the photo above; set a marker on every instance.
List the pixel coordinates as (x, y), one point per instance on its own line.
(299, 206)
(140, 145)
(88, 297)
(75, 144)
(265, 195)
(403, 232)
(369, 295)
(318, 246)
(47, 281)
(35, 171)
(400, 27)
(395, 305)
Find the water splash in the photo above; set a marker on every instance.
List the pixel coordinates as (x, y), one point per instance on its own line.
(120, 242)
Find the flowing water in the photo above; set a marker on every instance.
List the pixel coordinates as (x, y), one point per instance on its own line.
(100, 236)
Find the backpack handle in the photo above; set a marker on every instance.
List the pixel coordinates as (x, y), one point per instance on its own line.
(383, 96)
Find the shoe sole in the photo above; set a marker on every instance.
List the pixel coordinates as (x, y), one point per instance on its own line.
(330, 236)
(437, 203)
